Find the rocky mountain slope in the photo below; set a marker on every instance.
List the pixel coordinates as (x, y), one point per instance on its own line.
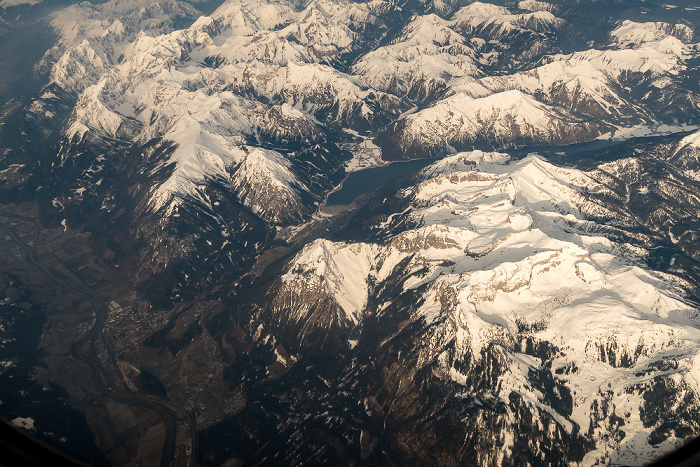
(498, 280)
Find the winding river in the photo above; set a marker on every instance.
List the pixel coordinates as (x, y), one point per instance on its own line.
(159, 407)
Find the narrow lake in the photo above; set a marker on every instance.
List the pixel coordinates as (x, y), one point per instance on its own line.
(568, 149)
(368, 180)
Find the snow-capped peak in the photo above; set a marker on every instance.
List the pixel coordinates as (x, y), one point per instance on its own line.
(690, 141)
(535, 5)
(500, 21)
(630, 33)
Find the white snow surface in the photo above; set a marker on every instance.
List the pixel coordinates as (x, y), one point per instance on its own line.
(485, 15)
(535, 5)
(431, 52)
(23, 422)
(690, 141)
(630, 33)
(93, 37)
(491, 244)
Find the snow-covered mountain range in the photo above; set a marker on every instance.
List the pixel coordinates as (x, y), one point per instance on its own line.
(516, 301)
(209, 89)
(500, 275)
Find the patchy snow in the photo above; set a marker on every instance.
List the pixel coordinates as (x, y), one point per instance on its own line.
(630, 33)
(672, 237)
(139, 80)
(26, 423)
(280, 358)
(643, 52)
(365, 154)
(420, 59)
(535, 5)
(499, 19)
(464, 161)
